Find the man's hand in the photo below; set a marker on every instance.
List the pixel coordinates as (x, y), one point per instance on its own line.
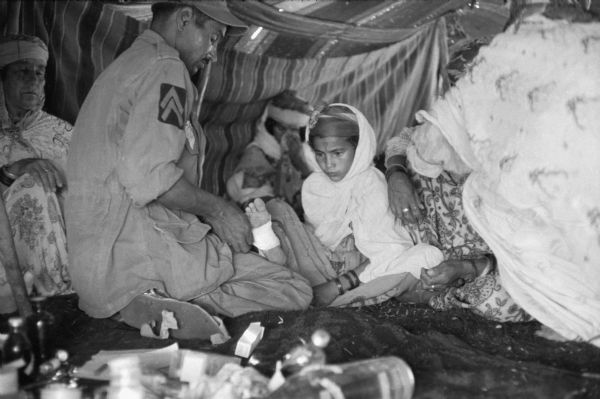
(232, 226)
(403, 199)
(228, 221)
(42, 170)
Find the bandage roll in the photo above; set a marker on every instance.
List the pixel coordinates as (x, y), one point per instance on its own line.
(265, 238)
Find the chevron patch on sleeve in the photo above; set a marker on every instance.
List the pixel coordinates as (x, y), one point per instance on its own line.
(171, 107)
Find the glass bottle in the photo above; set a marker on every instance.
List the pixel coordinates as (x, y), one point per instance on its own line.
(40, 330)
(17, 348)
(384, 377)
(308, 354)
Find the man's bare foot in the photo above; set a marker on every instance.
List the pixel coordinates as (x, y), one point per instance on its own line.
(257, 213)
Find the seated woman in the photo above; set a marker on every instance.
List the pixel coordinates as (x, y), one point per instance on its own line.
(351, 249)
(529, 144)
(32, 163)
(273, 164)
(432, 208)
(430, 205)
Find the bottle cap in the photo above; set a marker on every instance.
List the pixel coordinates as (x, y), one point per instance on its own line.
(320, 338)
(15, 321)
(49, 366)
(62, 355)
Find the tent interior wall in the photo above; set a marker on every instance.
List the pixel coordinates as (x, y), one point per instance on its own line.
(384, 57)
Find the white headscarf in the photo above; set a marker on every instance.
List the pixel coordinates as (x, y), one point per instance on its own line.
(432, 149)
(358, 205)
(15, 48)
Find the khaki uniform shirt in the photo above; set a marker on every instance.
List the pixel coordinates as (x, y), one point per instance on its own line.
(133, 140)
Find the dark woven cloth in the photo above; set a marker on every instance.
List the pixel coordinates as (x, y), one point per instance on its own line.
(453, 354)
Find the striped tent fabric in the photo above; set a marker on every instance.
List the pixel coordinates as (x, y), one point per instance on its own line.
(388, 77)
(388, 85)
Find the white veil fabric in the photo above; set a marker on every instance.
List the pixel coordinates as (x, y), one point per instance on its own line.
(358, 205)
(525, 119)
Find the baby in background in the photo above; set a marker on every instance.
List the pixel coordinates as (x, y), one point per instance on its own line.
(273, 164)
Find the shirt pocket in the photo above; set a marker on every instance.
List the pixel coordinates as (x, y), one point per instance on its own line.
(182, 227)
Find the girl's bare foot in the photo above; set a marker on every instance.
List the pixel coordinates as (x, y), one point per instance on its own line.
(257, 213)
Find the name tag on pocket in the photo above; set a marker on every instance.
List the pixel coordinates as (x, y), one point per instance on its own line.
(190, 136)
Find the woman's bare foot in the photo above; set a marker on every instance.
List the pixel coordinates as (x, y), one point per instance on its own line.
(257, 213)
(417, 294)
(548, 333)
(451, 272)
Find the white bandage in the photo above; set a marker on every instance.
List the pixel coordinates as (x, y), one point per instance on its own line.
(264, 237)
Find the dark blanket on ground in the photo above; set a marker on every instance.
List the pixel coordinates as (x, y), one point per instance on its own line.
(453, 354)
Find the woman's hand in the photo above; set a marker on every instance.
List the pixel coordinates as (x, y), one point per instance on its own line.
(232, 226)
(42, 170)
(403, 198)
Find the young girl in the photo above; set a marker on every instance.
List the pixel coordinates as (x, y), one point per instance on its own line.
(351, 248)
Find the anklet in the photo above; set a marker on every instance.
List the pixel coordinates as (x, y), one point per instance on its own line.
(491, 264)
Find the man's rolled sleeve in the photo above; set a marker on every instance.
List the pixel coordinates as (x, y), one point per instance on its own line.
(154, 137)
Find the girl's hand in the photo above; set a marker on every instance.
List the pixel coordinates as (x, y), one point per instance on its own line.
(324, 294)
(42, 170)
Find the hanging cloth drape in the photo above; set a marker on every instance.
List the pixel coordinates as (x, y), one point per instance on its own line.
(388, 84)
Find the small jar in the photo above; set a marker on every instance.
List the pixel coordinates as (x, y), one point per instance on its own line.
(40, 330)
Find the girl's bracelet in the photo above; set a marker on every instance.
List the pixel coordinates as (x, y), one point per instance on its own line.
(339, 286)
(354, 280)
(395, 168)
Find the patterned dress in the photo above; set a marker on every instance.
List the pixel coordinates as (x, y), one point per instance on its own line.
(525, 121)
(35, 216)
